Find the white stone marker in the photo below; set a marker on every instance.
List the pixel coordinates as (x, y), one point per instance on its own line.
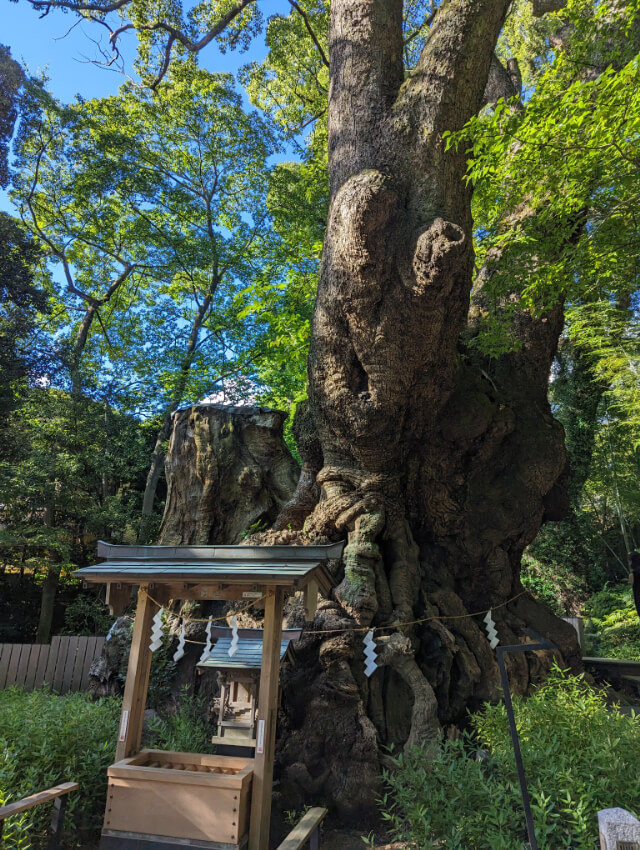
(619, 830)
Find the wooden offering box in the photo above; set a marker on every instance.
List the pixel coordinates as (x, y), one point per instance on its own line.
(158, 795)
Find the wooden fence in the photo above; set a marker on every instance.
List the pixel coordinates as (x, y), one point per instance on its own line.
(63, 665)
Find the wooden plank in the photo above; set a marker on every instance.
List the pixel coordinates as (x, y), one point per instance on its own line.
(61, 663)
(23, 665)
(43, 661)
(30, 675)
(175, 776)
(78, 663)
(86, 646)
(113, 839)
(612, 666)
(187, 811)
(5, 656)
(266, 728)
(299, 836)
(34, 660)
(136, 686)
(14, 661)
(94, 648)
(138, 767)
(73, 645)
(36, 799)
(50, 670)
(209, 759)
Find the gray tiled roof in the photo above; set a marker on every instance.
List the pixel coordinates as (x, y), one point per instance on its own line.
(291, 566)
(247, 657)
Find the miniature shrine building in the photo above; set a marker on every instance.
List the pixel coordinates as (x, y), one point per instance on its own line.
(239, 680)
(159, 800)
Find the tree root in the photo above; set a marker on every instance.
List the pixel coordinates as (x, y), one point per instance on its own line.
(397, 652)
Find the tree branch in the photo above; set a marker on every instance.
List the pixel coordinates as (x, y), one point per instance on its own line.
(102, 8)
(543, 7)
(503, 82)
(314, 38)
(165, 63)
(366, 74)
(427, 23)
(177, 35)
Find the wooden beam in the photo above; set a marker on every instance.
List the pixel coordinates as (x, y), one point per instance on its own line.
(310, 600)
(136, 686)
(118, 597)
(266, 727)
(304, 830)
(237, 593)
(36, 799)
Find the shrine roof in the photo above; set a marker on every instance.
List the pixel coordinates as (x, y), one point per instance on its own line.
(249, 652)
(287, 566)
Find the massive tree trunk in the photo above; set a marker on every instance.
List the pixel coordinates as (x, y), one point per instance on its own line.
(437, 468)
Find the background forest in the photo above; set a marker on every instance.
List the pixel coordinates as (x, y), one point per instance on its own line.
(163, 245)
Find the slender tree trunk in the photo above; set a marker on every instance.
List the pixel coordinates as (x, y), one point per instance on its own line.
(49, 591)
(145, 530)
(158, 455)
(90, 314)
(47, 604)
(78, 349)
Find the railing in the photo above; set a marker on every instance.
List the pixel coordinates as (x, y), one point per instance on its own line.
(308, 829)
(617, 668)
(57, 794)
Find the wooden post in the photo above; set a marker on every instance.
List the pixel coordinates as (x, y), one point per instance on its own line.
(57, 819)
(266, 727)
(310, 600)
(135, 689)
(118, 598)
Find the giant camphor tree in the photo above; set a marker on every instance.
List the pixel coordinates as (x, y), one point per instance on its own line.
(438, 465)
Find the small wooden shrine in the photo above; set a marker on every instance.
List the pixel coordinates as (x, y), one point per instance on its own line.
(160, 800)
(239, 679)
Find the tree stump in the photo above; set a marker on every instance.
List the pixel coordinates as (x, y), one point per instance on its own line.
(229, 473)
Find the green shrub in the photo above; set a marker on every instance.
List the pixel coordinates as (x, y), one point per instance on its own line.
(613, 618)
(579, 757)
(47, 739)
(552, 583)
(181, 726)
(87, 615)
(15, 831)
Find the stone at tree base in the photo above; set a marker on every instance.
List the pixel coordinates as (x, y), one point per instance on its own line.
(106, 672)
(619, 830)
